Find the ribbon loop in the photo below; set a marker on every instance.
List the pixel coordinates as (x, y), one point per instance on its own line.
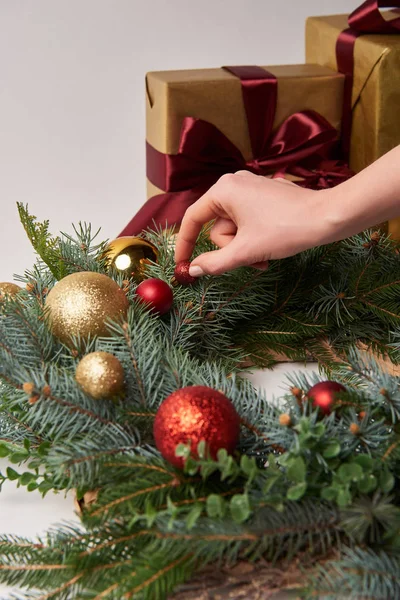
(367, 18)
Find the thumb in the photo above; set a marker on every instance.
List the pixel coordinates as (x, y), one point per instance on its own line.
(230, 257)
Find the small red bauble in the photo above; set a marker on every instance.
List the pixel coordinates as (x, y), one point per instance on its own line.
(324, 394)
(193, 414)
(157, 294)
(182, 275)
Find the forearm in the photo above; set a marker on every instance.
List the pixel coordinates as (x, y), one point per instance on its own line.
(367, 199)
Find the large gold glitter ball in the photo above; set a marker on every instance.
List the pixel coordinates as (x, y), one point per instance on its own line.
(8, 289)
(129, 256)
(100, 375)
(81, 304)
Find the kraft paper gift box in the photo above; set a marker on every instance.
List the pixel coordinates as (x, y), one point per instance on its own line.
(375, 94)
(212, 103)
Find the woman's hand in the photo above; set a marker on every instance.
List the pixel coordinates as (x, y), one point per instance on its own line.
(256, 219)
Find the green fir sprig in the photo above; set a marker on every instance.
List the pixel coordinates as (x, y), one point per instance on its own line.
(300, 486)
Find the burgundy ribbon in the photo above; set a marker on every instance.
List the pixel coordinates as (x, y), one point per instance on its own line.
(205, 153)
(327, 174)
(367, 18)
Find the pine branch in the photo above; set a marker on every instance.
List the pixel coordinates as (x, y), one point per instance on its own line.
(360, 573)
(46, 246)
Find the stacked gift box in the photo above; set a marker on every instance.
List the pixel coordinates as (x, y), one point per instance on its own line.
(316, 123)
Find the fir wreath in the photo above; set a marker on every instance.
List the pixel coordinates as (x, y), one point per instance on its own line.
(308, 500)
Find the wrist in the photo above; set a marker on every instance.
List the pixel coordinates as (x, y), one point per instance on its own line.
(334, 215)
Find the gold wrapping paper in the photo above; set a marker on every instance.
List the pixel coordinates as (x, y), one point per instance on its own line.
(215, 95)
(376, 89)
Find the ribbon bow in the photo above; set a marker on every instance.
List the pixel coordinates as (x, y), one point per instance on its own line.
(205, 153)
(367, 18)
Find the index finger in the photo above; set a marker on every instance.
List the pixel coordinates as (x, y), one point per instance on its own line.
(195, 217)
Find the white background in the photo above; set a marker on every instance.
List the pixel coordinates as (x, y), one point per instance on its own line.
(72, 95)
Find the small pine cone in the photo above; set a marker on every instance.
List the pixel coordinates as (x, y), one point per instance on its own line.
(33, 399)
(361, 414)
(74, 352)
(384, 392)
(46, 391)
(375, 237)
(354, 428)
(28, 388)
(297, 392)
(126, 285)
(285, 420)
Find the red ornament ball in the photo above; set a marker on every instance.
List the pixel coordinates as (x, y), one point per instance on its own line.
(324, 394)
(157, 294)
(182, 275)
(193, 414)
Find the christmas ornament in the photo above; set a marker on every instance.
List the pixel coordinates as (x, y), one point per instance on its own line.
(181, 273)
(8, 289)
(156, 294)
(129, 256)
(192, 414)
(100, 375)
(82, 303)
(324, 394)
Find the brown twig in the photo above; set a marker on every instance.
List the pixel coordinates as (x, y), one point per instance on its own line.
(291, 293)
(259, 434)
(61, 588)
(154, 488)
(235, 295)
(156, 576)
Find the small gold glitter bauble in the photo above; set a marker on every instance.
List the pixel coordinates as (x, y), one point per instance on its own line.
(81, 305)
(8, 289)
(129, 256)
(100, 375)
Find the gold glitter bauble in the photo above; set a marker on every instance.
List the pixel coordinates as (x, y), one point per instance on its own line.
(8, 289)
(82, 303)
(129, 256)
(100, 375)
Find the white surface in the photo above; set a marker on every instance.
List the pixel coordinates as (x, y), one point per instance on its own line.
(72, 95)
(27, 514)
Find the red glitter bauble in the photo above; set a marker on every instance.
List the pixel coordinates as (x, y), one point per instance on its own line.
(182, 275)
(324, 394)
(157, 294)
(193, 414)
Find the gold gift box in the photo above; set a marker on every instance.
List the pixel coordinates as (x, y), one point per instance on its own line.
(376, 89)
(215, 95)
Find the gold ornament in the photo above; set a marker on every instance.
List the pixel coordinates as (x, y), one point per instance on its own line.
(8, 289)
(82, 303)
(129, 256)
(100, 375)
